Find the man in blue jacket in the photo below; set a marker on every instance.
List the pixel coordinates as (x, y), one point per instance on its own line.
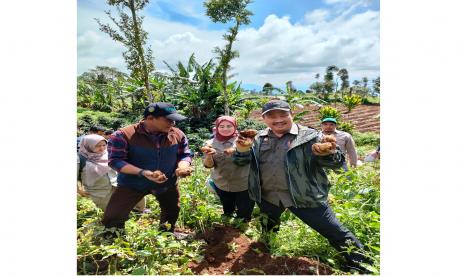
(286, 172)
(149, 157)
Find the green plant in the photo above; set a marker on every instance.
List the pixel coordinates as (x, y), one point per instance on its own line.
(246, 108)
(351, 101)
(366, 138)
(329, 111)
(250, 123)
(197, 139)
(346, 126)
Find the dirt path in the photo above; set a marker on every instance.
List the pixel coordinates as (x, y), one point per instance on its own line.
(230, 251)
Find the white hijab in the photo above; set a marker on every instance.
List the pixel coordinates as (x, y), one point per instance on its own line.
(97, 163)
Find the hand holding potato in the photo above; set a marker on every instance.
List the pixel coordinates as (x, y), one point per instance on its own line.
(156, 176)
(184, 171)
(327, 146)
(245, 140)
(208, 150)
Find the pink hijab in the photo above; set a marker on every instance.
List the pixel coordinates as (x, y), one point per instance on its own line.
(97, 163)
(218, 121)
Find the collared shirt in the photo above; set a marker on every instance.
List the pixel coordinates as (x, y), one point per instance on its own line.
(118, 148)
(347, 145)
(226, 175)
(274, 182)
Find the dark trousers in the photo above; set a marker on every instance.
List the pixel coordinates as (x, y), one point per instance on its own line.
(322, 219)
(236, 200)
(123, 201)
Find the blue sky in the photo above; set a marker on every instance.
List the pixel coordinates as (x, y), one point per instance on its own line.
(286, 40)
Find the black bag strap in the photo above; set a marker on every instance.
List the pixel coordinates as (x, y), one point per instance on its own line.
(82, 163)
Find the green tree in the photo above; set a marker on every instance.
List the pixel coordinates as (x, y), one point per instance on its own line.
(329, 83)
(101, 75)
(195, 89)
(267, 88)
(376, 85)
(344, 76)
(133, 37)
(290, 87)
(224, 11)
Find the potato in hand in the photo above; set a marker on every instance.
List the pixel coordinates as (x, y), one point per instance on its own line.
(158, 177)
(208, 149)
(323, 149)
(248, 133)
(329, 138)
(182, 172)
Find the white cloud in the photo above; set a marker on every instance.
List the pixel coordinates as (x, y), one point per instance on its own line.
(316, 16)
(348, 2)
(276, 52)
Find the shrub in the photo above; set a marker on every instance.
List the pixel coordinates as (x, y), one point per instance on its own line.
(351, 101)
(329, 111)
(366, 138)
(109, 120)
(250, 123)
(197, 139)
(346, 126)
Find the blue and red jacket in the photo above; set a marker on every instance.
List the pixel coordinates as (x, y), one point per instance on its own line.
(134, 145)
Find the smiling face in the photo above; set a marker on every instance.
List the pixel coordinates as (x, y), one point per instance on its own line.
(279, 121)
(226, 129)
(100, 147)
(328, 127)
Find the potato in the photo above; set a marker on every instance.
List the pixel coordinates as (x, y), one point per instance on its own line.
(329, 138)
(159, 176)
(184, 171)
(156, 174)
(206, 148)
(248, 133)
(245, 142)
(325, 147)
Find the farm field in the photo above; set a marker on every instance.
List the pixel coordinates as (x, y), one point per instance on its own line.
(225, 246)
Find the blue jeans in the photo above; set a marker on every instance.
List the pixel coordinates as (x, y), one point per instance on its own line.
(344, 166)
(321, 219)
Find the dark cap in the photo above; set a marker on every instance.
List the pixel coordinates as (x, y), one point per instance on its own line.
(275, 105)
(163, 109)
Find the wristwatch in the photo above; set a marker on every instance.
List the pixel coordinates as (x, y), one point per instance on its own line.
(141, 173)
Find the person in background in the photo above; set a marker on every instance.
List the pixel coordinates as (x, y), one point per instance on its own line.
(343, 139)
(373, 156)
(107, 133)
(228, 179)
(95, 129)
(97, 179)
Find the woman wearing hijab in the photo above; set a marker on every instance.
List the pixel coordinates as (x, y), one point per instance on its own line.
(98, 179)
(228, 179)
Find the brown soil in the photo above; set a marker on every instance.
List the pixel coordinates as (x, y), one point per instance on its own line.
(229, 251)
(365, 118)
